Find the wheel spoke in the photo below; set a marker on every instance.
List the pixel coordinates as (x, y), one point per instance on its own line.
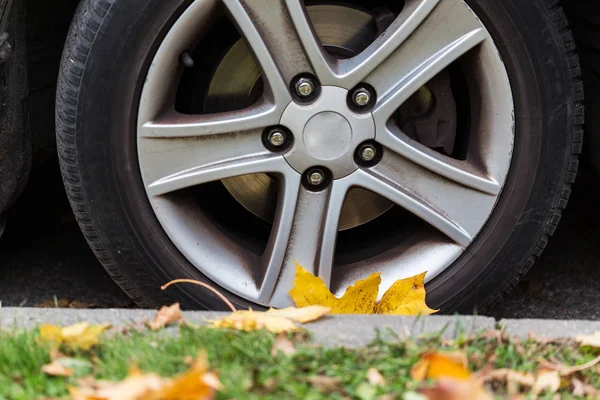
(459, 171)
(175, 125)
(352, 71)
(447, 33)
(174, 164)
(268, 27)
(457, 211)
(305, 230)
(318, 58)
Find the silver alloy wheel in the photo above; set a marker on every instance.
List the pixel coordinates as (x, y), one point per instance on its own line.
(455, 197)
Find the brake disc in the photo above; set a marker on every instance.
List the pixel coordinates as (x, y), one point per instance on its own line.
(236, 83)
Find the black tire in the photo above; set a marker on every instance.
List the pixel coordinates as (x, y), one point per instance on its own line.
(109, 48)
(584, 16)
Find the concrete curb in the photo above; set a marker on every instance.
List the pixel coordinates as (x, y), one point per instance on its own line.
(349, 330)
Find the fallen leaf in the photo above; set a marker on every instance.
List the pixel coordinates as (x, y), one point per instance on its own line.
(195, 384)
(53, 303)
(166, 316)
(515, 380)
(564, 370)
(581, 389)
(375, 378)
(64, 303)
(276, 321)
(548, 340)
(456, 389)
(55, 368)
(546, 381)
(79, 336)
(136, 386)
(589, 340)
(255, 320)
(302, 314)
(283, 345)
(359, 298)
(326, 384)
(435, 365)
(405, 297)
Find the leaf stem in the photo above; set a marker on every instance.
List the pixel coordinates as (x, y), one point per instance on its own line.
(204, 285)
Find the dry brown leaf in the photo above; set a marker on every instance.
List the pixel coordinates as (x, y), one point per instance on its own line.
(564, 370)
(404, 297)
(589, 340)
(326, 384)
(79, 336)
(548, 340)
(434, 365)
(456, 389)
(255, 320)
(55, 368)
(195, 384)
(375, 378)
(283, 345)
(546, 381)
(166, 316)
(515, 380)
(583, 389)
(64, 303)
(136, 386)
(302, 314)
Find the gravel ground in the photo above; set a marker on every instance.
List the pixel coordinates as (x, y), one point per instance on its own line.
(43, 256)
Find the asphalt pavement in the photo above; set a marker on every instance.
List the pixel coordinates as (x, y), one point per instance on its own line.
(44, 259)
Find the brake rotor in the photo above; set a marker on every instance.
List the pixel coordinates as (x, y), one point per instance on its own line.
(236, 84)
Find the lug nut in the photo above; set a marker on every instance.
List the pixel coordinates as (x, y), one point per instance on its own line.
(186, 59)
(304, 87)
(368, 153)
(276, 138)
(362, 97)
(315, 178)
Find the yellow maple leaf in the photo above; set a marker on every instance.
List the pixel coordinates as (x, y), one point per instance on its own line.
(78, 336)
(405, 297)
(360, 298)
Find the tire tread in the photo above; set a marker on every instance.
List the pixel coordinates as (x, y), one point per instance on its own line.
(561, 22)
(85, 28)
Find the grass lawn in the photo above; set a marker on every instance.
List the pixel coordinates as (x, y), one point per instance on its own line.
(248, 370)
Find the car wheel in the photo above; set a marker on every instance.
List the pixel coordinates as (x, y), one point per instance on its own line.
(223, 140)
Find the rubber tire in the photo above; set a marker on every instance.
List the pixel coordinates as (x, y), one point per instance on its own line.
(108, 51)
(584, 16)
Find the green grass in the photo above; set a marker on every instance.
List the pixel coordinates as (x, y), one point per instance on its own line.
(249, 371)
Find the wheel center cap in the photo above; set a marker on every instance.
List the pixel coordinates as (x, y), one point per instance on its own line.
(327, 135)
(327, 132)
